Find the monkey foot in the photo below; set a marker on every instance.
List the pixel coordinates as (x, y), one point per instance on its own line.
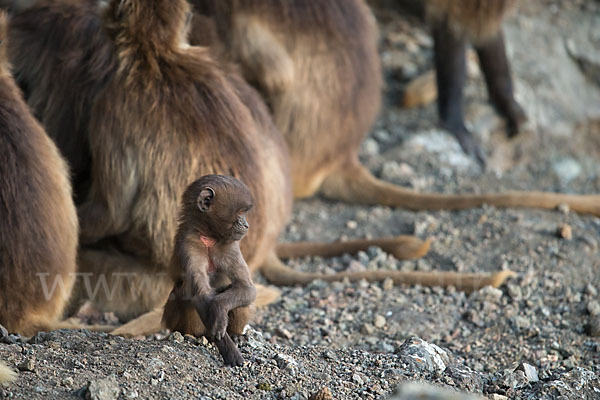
(515, 117)
(467, 142)
(229, 351)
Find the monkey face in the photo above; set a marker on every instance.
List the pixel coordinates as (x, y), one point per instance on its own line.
(221, 203)
(240, 226)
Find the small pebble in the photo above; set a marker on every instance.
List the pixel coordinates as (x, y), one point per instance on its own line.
(357, 379)
(323, 394)
(367, 329)
(529, 371)
(177, 337)
(68, 381)
(593, 307)
(564, 208)
(388, 284)
(379, 321)
(564, 231)
(591, 290)
(27, 365)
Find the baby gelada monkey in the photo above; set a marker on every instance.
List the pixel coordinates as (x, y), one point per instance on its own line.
(207, 250)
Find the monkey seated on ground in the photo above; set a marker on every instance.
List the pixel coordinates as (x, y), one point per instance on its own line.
(207, 250)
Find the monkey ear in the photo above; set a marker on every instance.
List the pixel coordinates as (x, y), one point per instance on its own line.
(205, 199)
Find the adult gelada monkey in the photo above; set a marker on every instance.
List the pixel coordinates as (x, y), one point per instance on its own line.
(168, 115)
(317, 66)
(211, 224)
(38, 222)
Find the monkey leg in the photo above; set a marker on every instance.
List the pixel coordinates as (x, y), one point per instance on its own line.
(180, 315)
(403, 247)
(355, 184)
(496, 70)
(450, 67)
(218, 317)
(117, 282)
(280, 274)
(238, 319)
(229, 351)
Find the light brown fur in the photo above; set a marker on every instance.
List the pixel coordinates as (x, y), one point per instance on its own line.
(333, 98)
(7, 375)
(38, 225)
(169, 115)
(477, 20)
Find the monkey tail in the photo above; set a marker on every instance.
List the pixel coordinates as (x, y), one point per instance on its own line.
(356, 184)
(74, 323)
(402, 247)
(145, 324)
(278, 273)
(7, 375)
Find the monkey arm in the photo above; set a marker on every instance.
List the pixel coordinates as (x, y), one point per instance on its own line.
(241, 292)
(107, 208)
(94, 222)
(228, 260)
(263, 56)
(194, 263)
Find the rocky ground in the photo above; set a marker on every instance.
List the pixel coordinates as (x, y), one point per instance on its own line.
(536, 337)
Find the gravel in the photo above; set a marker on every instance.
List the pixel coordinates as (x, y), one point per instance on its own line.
(538, 337)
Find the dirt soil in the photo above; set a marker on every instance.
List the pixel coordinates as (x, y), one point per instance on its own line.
(536, 337)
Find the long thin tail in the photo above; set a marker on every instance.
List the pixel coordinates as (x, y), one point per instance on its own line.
(355, 184)
(74, 323)
(7, 375)
(402, 247)
(145, 324)
(278, 273)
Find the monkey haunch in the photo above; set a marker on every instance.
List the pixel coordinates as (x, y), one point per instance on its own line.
(38, 222)
(207, 251)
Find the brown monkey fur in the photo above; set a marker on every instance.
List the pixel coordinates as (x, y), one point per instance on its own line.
(240, 140)
(68, 62)
(476, 20)
(38, 222)
(318, 68)
(137, 229)
(211, 224)
(7, 374)
(168, 115)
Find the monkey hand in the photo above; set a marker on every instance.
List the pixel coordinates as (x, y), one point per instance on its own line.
(217, 322)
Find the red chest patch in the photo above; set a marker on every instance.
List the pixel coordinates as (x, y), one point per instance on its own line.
(211, 267)
(208, 242)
